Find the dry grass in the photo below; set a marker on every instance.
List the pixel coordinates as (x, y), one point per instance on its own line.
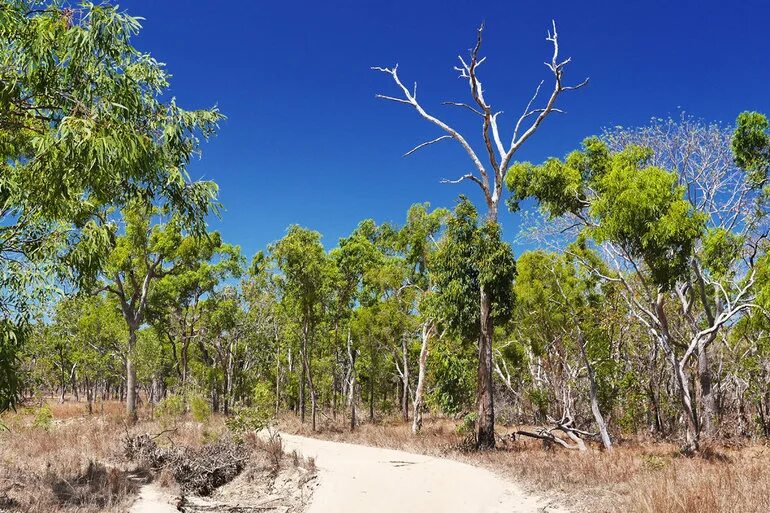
(60, 458)
(73, 461)
(639, 476)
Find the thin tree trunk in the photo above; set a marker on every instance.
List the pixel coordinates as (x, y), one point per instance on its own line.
(277, 375)
(131, 375)
(74, 382)
(405, 396)
(485, 405)
(302, 389)
(707, 406)
(309, 376)
(371, 398)
(89, 396)
(352, 384)
(593, 394)
(693, 430)
(427, 328)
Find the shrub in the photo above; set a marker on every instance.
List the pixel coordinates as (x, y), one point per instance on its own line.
(264, 397)
(200, 408)
(170, 409)
(43, 418)
(468, 424)
(245, 420)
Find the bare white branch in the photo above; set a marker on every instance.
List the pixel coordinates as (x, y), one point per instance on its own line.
(465, 106)
(469, 176)
(427, 143)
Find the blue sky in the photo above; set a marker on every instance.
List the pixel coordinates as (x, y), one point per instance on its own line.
(306, 142)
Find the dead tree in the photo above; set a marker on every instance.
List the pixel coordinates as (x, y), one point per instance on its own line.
(567, 426)
(489, 177)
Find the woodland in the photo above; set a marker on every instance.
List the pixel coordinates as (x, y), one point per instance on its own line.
(642, 311)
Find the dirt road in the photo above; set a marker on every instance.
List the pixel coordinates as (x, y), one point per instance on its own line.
(359, 479)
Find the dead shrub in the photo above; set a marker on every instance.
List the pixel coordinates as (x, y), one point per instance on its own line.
(201, 471)
(198, 470)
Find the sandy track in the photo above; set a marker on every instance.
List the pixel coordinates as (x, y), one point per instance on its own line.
(360, 479)
(153, 499)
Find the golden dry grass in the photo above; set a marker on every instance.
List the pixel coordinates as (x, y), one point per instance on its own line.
(74, 462)
(640, 476)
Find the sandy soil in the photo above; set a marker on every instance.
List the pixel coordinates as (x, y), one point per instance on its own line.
(361, 479)
(153, 499)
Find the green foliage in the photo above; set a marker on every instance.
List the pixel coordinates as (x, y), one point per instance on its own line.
(751, 146)
(468, 424)
(453, 374)
(199, 408)
(170, 409)
(43, 418)
(643, 210)
(301, 258)
(640, 208)
(11, 340)
(263, 397)
(247, 419)
(721, 248)
(84, 128)
(85, 117)
(540, 400)
(472, 255)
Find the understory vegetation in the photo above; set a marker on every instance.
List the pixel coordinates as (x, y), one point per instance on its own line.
(625, 354)
(59, 457)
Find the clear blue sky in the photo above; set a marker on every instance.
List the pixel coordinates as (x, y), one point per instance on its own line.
(306, 142)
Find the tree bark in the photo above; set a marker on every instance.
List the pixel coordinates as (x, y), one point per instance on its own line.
(131, 376)
(593, 395)
(405, 378)
(427, 329)
(706, 399)
(89, 396)
(484, 395)
(352, 386)
(302, 390)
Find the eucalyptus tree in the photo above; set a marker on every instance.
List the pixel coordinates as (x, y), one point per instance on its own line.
(83, 124)
(489, 176)
(352, 261)
(304, 266)
(640, 216)
(723, 176)
(225, 329)
(80, 345)
(390, 302)
(560, 307)
(418, 242)
(100, 338)
(154, 245)
(203, 264)
(473, 263)
(266, 325)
